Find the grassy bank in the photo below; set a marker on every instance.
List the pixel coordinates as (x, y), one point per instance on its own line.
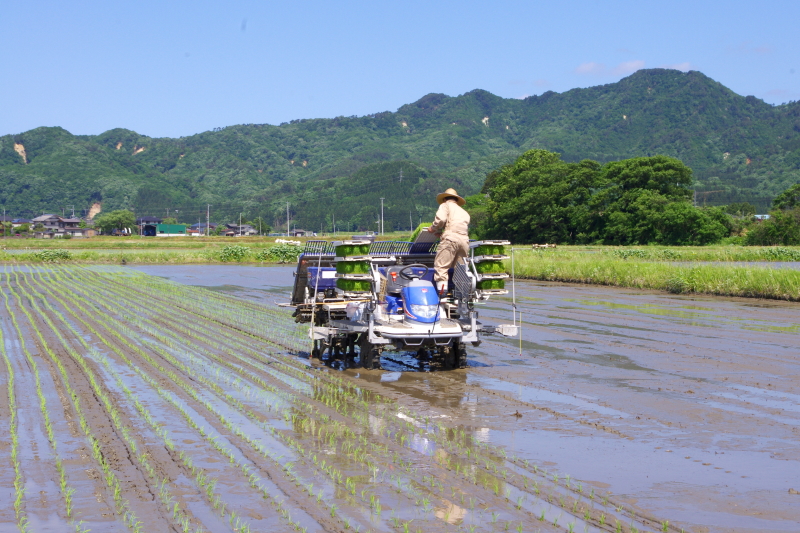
(606, 268)
(230, 253)
(678, 253)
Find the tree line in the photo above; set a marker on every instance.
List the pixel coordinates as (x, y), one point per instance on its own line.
(539, 198)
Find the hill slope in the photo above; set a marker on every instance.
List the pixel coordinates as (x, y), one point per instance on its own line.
(339, 168)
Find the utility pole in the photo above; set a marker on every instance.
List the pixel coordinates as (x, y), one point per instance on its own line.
(410, 223)
(240, 224)
(208, 217)
(381, 216)
(287, 219)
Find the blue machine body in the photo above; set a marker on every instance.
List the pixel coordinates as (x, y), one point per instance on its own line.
(420, 302)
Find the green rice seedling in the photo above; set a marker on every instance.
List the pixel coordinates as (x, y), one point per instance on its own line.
(602, 519)
(665, 525)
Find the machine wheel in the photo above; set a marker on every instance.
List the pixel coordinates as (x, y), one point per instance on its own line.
(460, 355)
(370, 354)
(316, 351)
(350, 350)
(445, 358)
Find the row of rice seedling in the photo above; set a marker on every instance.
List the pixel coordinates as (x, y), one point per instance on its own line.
(362, 451)
(121, 504)
(197, 473)
(151, 309)
(163, 336)
(180, 514)
(19, 489)
(198, 397)
(66, 488)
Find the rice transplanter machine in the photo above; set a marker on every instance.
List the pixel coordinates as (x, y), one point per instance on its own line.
(361, 298)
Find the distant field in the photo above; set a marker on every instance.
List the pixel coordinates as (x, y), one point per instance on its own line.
(706, 270)
(164, 243)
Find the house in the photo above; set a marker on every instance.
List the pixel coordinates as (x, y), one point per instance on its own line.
(170, 230)
(49, 221)
(236, 229)
(200, 228)
(56, 226)
(20, 221)
(300, 233)
(147, 225)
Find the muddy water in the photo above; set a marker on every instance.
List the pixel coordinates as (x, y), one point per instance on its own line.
(685, 407)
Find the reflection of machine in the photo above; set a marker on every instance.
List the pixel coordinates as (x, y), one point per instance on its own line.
(376, 295)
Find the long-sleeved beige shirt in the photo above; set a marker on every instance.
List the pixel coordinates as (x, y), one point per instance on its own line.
(451, 218)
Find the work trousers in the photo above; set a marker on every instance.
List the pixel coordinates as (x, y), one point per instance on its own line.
(452, 248)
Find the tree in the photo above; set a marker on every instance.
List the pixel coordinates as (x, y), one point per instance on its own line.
(540, 198)
(782, 228)
(108, 222)
(261, 225)
(788, 199)
(170, 220)
(740, 209)
(632, 198)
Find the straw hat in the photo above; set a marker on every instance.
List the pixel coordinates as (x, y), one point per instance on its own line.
(450, 192)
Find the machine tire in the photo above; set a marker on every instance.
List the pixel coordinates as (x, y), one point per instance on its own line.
(444, 359)
(370, 354)
(316, 351)
(461, 355)
(350, 350)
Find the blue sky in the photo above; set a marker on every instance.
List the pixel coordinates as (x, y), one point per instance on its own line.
(175, 68)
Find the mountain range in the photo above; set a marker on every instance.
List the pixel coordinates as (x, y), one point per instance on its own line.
(337, 170)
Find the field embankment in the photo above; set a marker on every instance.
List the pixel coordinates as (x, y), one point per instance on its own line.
(674, 270)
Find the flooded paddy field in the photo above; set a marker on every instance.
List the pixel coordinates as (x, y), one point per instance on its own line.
(135, 402)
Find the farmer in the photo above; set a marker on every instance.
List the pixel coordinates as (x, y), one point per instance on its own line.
(452, 226)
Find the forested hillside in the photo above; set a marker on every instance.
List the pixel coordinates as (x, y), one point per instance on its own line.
(338, 169)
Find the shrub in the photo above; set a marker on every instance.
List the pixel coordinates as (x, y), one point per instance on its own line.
(52, 256)
(280, 253)
(233, 253)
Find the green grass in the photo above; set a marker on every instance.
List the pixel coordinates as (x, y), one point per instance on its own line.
(606, 268)
(677, 253)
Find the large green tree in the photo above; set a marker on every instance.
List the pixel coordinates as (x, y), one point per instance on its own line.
(788, 199)
(119, 219)
(540, 198)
